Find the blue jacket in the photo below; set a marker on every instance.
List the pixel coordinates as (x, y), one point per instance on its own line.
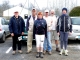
(40, 27)
(16, 26)
(64, 23)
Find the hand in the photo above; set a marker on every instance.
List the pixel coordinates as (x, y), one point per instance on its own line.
(70, 33)
(22, 33)
(58, 33)
(12, 34)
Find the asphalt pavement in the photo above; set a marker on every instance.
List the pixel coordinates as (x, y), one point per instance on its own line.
(6, 52)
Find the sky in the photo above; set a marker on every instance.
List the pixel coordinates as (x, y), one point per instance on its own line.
(41, 3)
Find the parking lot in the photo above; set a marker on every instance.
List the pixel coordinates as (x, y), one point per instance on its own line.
(6, 52)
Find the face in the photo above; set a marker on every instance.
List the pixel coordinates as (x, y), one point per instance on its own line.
(46, 13)
(40, 16)
(16, 14)
(64, 12)
(33, 12)
(52, 13)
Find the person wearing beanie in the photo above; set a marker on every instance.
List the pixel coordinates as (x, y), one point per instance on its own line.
(64, 27)
(40, 32)
(54, 35)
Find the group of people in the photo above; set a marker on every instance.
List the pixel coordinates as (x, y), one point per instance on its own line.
(43, 28)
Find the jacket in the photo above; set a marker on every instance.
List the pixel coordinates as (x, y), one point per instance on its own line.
(64, 23)
(16, 26)
(42, 29)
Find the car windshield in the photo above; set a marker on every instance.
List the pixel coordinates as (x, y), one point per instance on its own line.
(75, 21)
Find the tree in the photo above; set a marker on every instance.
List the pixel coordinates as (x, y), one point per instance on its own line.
(75, 11)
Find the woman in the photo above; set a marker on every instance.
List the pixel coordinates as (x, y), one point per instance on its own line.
(40, 32)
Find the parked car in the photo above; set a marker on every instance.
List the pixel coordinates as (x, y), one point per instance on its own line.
(4, 29)
(75, 29)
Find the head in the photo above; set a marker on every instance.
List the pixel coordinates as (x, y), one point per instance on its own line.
(46, 13)
(40, 15)
(16, 13)
(52, 12)
(33, 12)
(64, 10)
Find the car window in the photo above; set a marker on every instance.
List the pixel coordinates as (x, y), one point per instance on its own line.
(4, 22)
(75, 21)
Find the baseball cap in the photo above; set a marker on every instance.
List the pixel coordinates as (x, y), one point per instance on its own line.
(46, 10)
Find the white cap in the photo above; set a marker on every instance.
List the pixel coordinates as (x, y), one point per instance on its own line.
(33, 8)
(46, 10)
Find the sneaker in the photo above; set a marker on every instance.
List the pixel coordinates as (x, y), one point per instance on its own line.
(57, 49)
(61, 52)
(44, 52)
(28, 52)
(37, 56)
(49, 52)
(20, 51)
(66, 53)
(41, 55)
(14, 52)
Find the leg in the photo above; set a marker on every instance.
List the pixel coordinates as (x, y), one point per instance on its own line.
(49, 42)
(37, 45)
(61, 42)
(29, 42)
(65, 42)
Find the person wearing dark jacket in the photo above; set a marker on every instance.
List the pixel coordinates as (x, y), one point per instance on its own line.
(40, 32)
(16, 27)
(64, 27)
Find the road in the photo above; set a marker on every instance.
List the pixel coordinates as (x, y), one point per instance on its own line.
(6, 52)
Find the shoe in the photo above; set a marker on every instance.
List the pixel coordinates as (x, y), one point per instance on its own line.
(37, 56)
(14, 52)
(28, 52)
(61, 52)
(57, 49)
(49, 52)
(66, 53)
(20, 52)
(44, 52)
(41, 55)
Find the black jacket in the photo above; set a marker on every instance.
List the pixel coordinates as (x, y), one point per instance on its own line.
(16, 26)
(64, 23)
(40, 30)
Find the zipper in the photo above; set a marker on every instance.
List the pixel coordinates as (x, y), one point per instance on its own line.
(64, 24)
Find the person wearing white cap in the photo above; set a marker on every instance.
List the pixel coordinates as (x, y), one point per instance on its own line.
(29, 28)
(47, 42)
(54, 32)
(16, 28)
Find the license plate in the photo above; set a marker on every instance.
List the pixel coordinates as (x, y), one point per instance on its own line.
(24, 36)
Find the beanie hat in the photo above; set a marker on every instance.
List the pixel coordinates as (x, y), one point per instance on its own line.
(64, 9)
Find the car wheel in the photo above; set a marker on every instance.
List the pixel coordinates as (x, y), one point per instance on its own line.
(3, 38)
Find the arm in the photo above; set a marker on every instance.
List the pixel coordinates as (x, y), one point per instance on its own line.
(23, 25)
(70, 23)
(10, 26)
(34, 30)
(45, 29)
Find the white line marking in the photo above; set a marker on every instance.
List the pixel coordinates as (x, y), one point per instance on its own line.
(8, 50)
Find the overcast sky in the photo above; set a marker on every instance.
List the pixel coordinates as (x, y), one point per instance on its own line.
(41, 3)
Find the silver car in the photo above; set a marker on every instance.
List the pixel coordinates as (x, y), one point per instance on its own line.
(75, 29)
(4, 29)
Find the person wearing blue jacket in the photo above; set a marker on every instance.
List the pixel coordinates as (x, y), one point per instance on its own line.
(16, 27)
(64, 27)
(40, 32)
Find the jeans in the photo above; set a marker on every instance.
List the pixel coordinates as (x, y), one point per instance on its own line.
(63, 39)
(47, 42)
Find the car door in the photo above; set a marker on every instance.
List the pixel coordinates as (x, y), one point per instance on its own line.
(5, 26)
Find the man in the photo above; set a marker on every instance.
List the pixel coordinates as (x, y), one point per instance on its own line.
(29, 27)
(53, 31)
(16, 27)
(64, 27)
(47, 42)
